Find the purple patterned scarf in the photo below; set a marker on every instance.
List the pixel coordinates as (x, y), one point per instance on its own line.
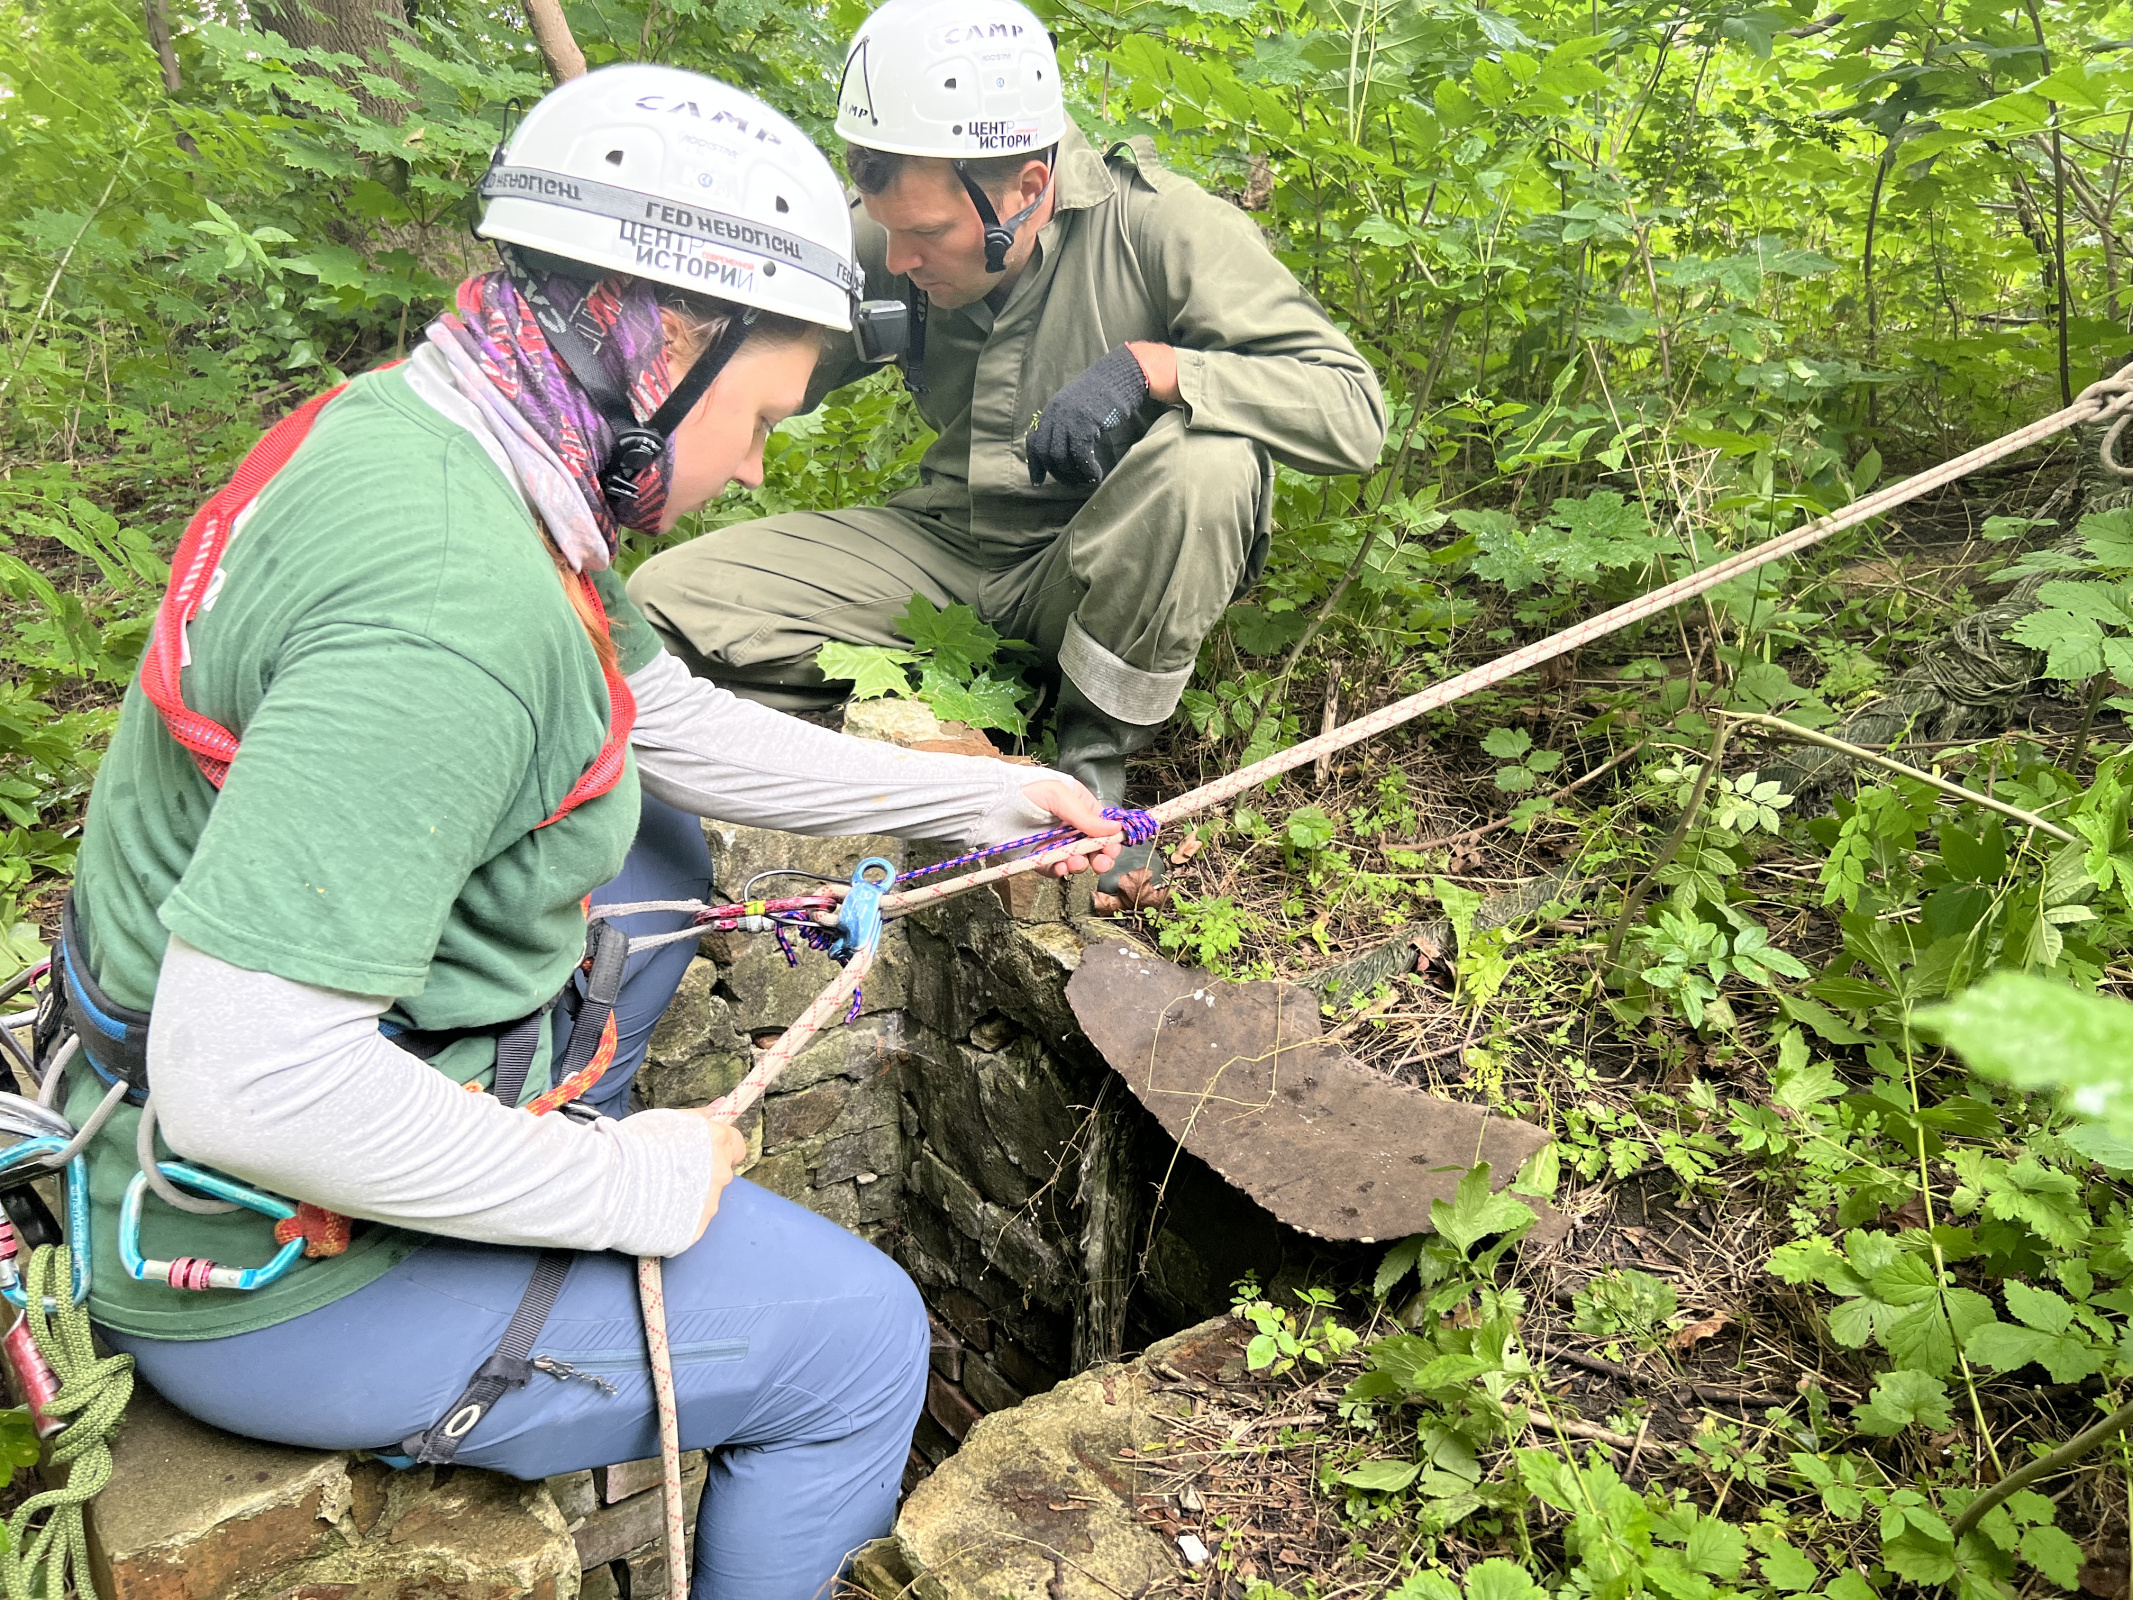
(501, 361)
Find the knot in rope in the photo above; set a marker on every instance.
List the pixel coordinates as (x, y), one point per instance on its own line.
(325, 1233)
(93, 1392)
(2113, 399)
(1140, 826)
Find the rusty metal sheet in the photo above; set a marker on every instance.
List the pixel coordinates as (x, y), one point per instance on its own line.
(1238, 1074)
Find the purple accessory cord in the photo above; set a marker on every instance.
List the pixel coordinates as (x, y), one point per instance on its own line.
(1138, 825)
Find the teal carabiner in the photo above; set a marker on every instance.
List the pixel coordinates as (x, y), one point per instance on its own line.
(77, 1184)
(859, 916)
(196, 1272)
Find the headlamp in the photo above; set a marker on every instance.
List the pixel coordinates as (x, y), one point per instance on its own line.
(881, 329)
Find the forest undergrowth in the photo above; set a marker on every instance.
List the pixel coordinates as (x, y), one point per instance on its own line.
(1834, 1059)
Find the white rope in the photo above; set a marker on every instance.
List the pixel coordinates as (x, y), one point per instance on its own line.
(2108, 398)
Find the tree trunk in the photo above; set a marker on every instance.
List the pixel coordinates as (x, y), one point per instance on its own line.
(552, 33)
(364, 28)
(159, 38)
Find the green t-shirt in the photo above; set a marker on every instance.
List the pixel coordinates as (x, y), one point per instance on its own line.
(414, 696)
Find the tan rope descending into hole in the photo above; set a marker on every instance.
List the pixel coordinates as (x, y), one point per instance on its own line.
(2110, 397)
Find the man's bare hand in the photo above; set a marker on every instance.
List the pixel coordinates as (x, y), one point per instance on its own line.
(728, 1150)
(1077, 808)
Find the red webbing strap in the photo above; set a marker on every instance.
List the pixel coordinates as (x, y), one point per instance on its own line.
(192, 571)
(606, 769)
(192, 574)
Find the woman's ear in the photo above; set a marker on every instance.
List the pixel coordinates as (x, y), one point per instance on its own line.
(674, 335)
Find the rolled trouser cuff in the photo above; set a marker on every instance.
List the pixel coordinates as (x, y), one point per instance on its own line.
(1131, 694)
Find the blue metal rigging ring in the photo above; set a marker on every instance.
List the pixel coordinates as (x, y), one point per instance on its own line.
(194, 1272)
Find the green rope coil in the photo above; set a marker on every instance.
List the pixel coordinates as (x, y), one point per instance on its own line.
(93, 1393)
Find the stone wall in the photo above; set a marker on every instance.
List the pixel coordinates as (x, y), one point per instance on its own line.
(946, 1124)
(966, 1126)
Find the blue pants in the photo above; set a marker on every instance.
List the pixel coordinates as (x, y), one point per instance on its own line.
(799, 1350)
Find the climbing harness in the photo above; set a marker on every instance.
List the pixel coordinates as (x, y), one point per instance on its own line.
(55, 1365)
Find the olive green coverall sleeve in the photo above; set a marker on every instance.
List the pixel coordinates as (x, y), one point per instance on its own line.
(1256, 354)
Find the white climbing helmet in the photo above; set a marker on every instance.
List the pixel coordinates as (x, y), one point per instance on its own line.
(678, 178)
(964, 79)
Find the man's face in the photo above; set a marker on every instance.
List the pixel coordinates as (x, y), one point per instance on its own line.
(935, 237)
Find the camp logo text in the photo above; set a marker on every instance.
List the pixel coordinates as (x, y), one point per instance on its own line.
(664, 104)
(980, 32)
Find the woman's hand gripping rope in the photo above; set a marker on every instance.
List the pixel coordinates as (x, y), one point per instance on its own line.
(93, 1392)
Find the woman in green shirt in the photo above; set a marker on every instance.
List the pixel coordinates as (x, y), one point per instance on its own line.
(397, 723)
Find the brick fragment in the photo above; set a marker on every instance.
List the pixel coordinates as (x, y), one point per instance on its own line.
(949, 1406)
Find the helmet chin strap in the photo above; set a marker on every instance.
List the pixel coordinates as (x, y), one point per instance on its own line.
(637, 444)
(999, 235)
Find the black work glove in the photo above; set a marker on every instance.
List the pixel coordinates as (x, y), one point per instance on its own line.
(1091, 423)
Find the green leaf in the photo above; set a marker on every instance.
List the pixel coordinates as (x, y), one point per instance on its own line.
(2109, 536)
(1382, 1477)
(1801, 1087)
(1919, 1555)
(1425, 1585)
(1715, 1546)
(984, 702)
(1473, 1213)
(1507, 744)
(1498, 1579)
(1901, 1398)
(1980, 859)
(2037, 1034)
(1784, 1568)
(1826, 1023)
(1927, 1336)
(872, 670)
(1399, 1261)
(2073, 644)
(2006, 1348)
(2037, 1308)
(2101, 1146)
(1541, 1173)
(957, 640)
(2053, 1552)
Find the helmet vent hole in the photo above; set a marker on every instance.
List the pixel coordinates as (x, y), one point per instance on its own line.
(770, 269)
(614, 158)
(948, 84)
(958, 128)
(782, 206)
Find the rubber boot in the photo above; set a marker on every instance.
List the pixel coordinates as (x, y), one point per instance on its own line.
(1093, 746)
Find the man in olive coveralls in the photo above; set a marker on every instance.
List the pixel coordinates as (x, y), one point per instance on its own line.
(1113, 360)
